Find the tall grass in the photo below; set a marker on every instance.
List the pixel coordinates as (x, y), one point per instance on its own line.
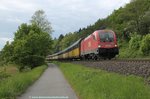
(91, 83)
(15, 85)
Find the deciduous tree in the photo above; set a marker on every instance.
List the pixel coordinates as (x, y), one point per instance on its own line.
(39, 18)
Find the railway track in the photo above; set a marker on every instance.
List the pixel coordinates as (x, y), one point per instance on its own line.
(118, 60)
(133, 60)
(126, 67)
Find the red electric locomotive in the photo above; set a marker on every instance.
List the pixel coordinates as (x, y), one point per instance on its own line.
(100, 44)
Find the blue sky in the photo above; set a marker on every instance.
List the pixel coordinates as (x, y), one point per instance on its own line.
(65, 15)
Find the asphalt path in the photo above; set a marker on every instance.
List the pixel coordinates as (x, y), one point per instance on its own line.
(51, 85)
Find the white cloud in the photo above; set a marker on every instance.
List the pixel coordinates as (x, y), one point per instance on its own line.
(14, 20)
(2, 7)
(18, 5)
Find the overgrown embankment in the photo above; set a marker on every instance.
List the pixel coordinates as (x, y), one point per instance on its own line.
(15, 84)
(91, 83)
(137, 47)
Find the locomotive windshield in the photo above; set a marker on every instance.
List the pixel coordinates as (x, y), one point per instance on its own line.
(106, 37)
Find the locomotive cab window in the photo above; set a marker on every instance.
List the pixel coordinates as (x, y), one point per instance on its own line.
(106, 37)
(93, 36)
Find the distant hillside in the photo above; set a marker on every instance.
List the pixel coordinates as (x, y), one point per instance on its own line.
(133, 19)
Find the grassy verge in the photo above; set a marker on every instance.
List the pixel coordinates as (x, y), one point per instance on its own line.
(16, 84)
(92, 83)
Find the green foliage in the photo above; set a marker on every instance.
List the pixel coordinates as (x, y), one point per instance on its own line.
(145, 45)
(6, 53)
(56, 44)
(39, 18)
(15, 85)
(89, 83)
(22, 31)
(32, 43)
(67, 40)
(31, 47)
(33, 60)
(64, 41)
(145, 23)
(135, 42)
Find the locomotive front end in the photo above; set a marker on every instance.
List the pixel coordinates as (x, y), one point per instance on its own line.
(108, 47)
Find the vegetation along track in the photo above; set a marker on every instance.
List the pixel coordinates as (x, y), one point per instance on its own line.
(126, 67)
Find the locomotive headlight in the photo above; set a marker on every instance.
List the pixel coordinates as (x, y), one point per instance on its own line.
(115, 45)
(99, 46)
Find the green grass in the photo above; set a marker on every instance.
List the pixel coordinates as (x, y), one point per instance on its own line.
(91, 83)
(15, 85)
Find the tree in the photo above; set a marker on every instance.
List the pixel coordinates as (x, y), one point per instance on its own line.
(22, 31)
(61, 37)
(32, 43)
(31, 47)
(67, 41)
(7, 53)
(57, 44)
(39, 18)
(145, 23)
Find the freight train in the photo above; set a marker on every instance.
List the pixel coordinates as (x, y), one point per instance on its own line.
(101, 44)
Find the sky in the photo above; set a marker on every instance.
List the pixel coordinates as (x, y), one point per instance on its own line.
(65, 15)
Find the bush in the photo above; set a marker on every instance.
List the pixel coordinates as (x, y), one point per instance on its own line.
(145, 45)
(32, 61)
(135, 41)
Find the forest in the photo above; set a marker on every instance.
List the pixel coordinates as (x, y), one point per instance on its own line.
(131, 24)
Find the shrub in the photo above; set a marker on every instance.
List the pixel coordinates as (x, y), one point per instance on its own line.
(32, 61)
(135, 41)
(145, 45)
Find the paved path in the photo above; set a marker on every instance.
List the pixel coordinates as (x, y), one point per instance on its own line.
(51, 85)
